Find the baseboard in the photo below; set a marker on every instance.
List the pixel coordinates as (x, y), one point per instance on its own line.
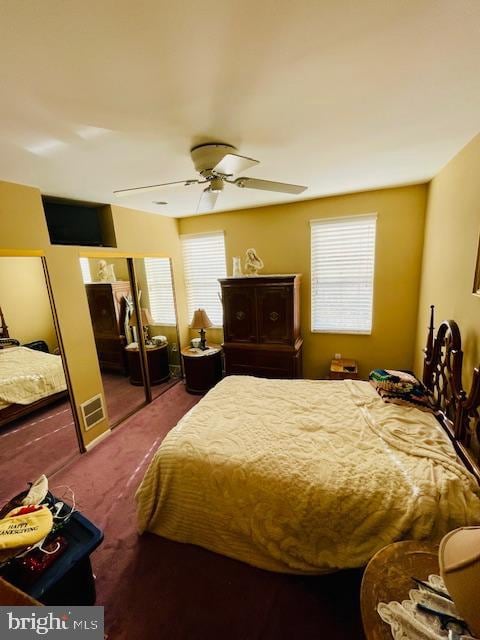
(97, 440)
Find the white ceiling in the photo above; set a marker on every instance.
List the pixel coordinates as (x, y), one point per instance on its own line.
(339, 95)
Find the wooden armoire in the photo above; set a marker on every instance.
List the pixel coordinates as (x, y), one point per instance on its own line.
(261, 325)
(107, 311)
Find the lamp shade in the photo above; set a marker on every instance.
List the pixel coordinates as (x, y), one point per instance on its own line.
(200, 320)
(459, 560)
(146, 318)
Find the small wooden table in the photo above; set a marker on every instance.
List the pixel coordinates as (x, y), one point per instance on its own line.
(203, 369)
(343, 369)
(157, 358)
(388, 577)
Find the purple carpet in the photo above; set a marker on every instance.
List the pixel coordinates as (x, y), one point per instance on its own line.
(122, 398)
(41, 442)
(45, 440)
(153, 588)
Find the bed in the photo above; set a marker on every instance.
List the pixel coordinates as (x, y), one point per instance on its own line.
(304, 476)
(29, 379)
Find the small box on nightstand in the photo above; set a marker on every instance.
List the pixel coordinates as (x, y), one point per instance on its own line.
(343, 369)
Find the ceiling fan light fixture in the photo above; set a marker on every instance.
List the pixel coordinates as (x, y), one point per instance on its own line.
(216, 185)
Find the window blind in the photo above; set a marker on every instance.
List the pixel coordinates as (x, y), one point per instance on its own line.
(86, 273)
(204, 262)
(343, 261)
(160, 290)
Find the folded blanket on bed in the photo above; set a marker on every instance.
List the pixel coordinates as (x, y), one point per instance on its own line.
(392, 379)
(399, 387)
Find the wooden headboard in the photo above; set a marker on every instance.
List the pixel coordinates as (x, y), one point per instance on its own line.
(457, 409)
(3, 326)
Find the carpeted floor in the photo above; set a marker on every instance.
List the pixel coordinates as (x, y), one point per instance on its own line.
(41, 442)
(153, 588)
(122, 398)
(45, 440)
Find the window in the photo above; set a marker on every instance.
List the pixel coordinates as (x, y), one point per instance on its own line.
(204, 262)
(160, 290)
(86, 273)
(343, 259)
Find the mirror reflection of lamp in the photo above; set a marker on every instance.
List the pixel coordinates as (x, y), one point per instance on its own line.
(201, 322)
(146, 321)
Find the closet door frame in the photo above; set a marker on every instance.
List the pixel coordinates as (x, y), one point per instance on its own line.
(137, 309)
(142, 351)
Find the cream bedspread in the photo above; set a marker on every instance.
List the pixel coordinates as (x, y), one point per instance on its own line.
(27, 375)
(304, 476)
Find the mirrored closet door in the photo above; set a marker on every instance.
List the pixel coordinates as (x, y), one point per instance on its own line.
(109, 289)
(159, 323)
(37, 429)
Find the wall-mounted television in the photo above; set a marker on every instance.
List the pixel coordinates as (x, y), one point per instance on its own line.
(76, 224)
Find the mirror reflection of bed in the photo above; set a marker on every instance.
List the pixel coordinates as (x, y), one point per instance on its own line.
(117, 332)
(37, 431)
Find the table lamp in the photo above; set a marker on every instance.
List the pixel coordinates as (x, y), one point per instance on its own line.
(459, 559)
(146, 320)
(201, 321)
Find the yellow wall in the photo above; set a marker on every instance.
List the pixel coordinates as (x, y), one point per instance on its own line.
(23, 228)
(25, 302)
(281, 235)
(450, 250)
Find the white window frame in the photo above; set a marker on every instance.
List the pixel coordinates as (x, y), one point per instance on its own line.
(369, 280)
(86, 271)
(161, 296)
(193, 285)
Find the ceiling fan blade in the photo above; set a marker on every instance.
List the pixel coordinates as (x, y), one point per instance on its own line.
(152, 187)
(231, 164)
(268, 185)
(207, 200)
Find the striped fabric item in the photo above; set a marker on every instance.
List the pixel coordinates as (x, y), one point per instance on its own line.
(400, 387)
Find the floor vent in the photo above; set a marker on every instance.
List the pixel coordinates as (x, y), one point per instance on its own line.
(92, 412)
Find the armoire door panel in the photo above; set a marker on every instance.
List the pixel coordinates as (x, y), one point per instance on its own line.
(104, 318)
(274, 306)
(240, 315)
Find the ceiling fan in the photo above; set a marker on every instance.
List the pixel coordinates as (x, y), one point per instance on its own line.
(217, 164)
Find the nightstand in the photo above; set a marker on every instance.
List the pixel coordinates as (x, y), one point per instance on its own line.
(157, 358)
(203, 369)
(343, 369)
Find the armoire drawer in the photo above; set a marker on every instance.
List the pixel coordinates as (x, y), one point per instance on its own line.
(261, 363)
